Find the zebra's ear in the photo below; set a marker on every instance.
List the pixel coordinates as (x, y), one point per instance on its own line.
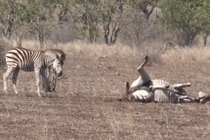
(63, 56)
(57, 56)
(127, 87)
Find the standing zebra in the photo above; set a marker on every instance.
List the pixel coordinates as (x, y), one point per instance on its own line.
(28, 60)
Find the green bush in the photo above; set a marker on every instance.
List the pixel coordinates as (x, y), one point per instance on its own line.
(185, 17)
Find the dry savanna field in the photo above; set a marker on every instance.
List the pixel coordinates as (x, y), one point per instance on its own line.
(85, 104)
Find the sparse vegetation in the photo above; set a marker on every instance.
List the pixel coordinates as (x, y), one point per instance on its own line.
(104, 41)
(186, 18)
(3, 46)
(133, 23)
(85, 104)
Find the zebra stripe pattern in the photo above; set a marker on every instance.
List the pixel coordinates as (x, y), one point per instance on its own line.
(144, 89)
(161, 91)
(28, 60)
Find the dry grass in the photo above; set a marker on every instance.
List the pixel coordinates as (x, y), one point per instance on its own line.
(85, 106)
(187, 54)
(97, 50)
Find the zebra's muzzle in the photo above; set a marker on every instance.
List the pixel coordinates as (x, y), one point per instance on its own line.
(59, 74)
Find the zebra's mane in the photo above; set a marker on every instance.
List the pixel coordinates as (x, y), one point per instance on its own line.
(55, 52)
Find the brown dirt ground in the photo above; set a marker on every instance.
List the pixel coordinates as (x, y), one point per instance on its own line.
(85, 105)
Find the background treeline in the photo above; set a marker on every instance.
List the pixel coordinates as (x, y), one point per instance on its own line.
(130, 22)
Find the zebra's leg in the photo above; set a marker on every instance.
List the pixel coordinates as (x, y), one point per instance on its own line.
(52, 78)
(186, 98)
(47, 72)
(180, 86)
(44, 76)
(14, 80)
(5, 75)
(144, 63)
(144, 78)
(37, 75)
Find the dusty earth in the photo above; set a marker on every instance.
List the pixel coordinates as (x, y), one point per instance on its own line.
(85, 104)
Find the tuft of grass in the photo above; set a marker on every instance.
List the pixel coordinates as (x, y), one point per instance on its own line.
(94, 50)
(85, 105)
(199, 54)
(80, 47)
(156, 51)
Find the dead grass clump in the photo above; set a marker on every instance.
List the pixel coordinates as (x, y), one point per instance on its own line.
(29, 44)
(200, 54)
(87, 49)
(99, 50)
(154, 50)
(85, 105)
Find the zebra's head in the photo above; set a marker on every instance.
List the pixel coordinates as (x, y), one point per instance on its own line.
(55, 59)
(128, 92)
(58, 64)
(127, 96)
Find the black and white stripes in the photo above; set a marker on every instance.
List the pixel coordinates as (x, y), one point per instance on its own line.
(28, 60)
(144, 89)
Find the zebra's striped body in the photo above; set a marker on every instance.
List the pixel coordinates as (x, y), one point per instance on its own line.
(25, 59)
(164, 95)
(144, 89)
(28, 60)
(159, 91)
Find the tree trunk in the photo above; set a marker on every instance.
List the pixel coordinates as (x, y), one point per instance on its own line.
(41, 39)
(113, 37)
(186, 39)
(205, 38)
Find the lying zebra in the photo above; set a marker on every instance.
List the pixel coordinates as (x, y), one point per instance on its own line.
(144, 89)
(38, 61)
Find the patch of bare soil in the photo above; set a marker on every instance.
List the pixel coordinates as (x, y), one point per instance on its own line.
(85, 104)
